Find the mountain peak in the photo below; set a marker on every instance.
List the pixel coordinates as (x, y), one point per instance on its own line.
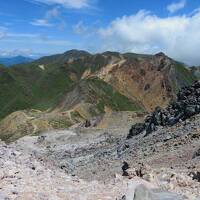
(75, 52)
(160, 54)
(111, 53)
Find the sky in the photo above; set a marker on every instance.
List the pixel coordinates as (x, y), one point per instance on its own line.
(43, 27)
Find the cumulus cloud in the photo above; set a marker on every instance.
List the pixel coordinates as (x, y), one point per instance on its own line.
(177, 36)
(176, 6)
(76, 4)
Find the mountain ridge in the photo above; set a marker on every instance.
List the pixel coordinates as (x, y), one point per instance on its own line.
(100, 83)
(111, 67)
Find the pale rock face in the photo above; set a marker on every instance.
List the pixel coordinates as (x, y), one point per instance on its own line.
(143, 193)
(41, 67)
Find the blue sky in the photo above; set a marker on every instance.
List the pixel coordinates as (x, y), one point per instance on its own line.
(41, 27)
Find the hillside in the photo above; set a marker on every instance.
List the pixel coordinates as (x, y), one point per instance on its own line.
(89, 98)
(149, 80)
(97, 93)
(91, 84)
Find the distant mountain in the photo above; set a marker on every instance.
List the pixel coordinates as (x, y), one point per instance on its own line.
(8, 61)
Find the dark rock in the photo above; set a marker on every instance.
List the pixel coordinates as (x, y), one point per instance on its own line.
(195, 176)
(41, 138)
(125, 166)
(195, 136)
(150, 128)
(190, 110)
(196, 154)
(147, 86)
(123, 197)
(139, 172)
(87, 123)
(196, 84)
(125, 173)
(136, 129)
(171, 121)
(184, 107)
(63, 167)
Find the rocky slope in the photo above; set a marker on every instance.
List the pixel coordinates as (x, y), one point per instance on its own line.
(151, 80)
(24, 176)
(87, 164)
(186, 105)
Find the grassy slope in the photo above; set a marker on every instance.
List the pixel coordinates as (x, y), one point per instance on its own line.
(183, 74)
(31, 87)
(105, 95)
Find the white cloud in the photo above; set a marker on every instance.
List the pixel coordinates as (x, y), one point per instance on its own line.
(76, 4)
(53, 13)
(50, 15)
(177, 36)
(15, 52)
(23, 35)
(42, 22)
(176, 6)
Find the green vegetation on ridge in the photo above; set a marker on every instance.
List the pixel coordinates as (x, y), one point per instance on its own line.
(184, 74)
(105, 95)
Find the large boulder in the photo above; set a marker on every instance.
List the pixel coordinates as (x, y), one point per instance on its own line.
(190, 110)
(136, 129)
(196, 154)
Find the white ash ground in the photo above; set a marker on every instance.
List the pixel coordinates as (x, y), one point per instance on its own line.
(23, 177)
(86, 165)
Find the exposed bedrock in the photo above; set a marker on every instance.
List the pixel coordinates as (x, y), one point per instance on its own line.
(185, 106)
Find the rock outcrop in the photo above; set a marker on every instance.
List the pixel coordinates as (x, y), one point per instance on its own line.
(185, 106)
